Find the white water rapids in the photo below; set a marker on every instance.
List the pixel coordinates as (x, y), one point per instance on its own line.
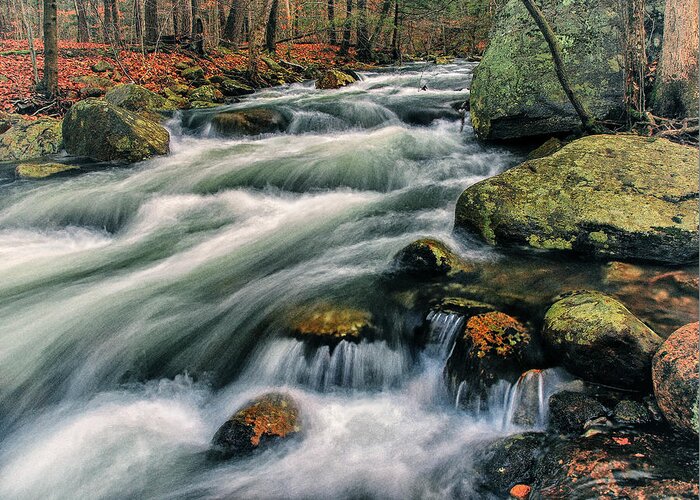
(140, 306)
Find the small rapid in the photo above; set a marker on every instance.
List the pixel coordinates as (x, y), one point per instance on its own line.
(140, 306)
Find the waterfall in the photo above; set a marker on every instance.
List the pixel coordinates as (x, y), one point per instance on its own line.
(526, 402)
(442, 333)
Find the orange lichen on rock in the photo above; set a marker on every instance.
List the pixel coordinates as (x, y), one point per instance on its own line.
(495, 333)
(273, 415)
(520, 491)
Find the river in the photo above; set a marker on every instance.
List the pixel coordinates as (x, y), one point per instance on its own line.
(140, 306)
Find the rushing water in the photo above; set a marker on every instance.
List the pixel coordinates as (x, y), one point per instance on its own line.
(139, 307)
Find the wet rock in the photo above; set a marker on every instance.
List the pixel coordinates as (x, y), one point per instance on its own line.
(494, 347)
(27, 140)
(463, 306)
(675, 376)
(618, 465)
(632, 412)
(233, 88)
(206, 93)
(595, 337)
(569, 411)
(585, 198)
(258, 425)
(429, 257)
(249, 122)
(102, 131)
(515, 92)
(510, 461)
(136, 98)
(42, 170)
(329, 324)
(520, 491)
(334, 79)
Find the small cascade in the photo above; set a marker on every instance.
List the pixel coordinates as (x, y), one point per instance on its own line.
(526, 402)
(442, 334)
(365, 365)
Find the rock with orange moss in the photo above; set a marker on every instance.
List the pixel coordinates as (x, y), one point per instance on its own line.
(429, 257)
(675, 377)
(520, 491)
(494, 346)
(257, 425)
(328, 324)
(598, 339)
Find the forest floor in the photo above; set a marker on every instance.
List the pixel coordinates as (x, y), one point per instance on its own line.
(154, 70)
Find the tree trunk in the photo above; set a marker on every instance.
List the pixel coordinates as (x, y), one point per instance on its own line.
(271, 28)
(198, 36)
(50, 83)
(555, 48)
(364, 51)
(347, 26)
(634, 43)
(151, 18)
(195, 16)
(676, 92)
(138, 22)
(332, 39)
(386, 7)
(395, 47)
(83, 30)
(116, 32)
(107, 23)
(259, 16)
(30, 42)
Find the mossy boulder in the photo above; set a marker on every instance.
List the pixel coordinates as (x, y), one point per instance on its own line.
(42, 170)
(95, 82)
(104, 132)
(136, 98)
(596, 338)
(8, 120)
(552, 145)
(233, 88)
(102, 66)
(329, 324)
(334, 79)
(259, 424)
(27, 140)
(631, 412)
(249, 122)
(494, 346)
(675, 376)
(429, 257)
(618, 197)
(193, 74)
(515, 92)
(206, 93)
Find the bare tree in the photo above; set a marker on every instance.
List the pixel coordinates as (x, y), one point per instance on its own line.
(271, 28)
(347, 26)
(676, 93)
(332, 39)
(151, 20)
(50, 82)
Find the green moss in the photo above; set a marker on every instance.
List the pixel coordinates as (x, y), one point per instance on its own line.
(42, 170)
(27, 140)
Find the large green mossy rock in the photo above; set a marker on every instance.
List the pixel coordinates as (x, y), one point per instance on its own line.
(619, 197)
(26, 140)
(249, 122)
(42, 170)
(137, 98)
(429, 257)
(515, 92)
(104, 132)
(595, 337)
(334, 79)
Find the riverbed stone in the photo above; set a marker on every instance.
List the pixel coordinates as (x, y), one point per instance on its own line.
(509, 461)
(595, 337)
(42, 170)
(249, 122)
(515, 92)
(233, 88)
(206, 93)
(28, 140)
(429, 257)
(259, 424)
(104, 132)
(614, 197)
(569, 411)
(675, 376)
(334, 79)
(632, 413)
(330, 324)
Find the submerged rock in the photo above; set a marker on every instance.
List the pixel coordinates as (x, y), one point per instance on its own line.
(249, 122)
(675, 376)
(42, 170)
(515, 92)
(632, 413)
(429, 257)
(334, 79)
(27, 140)
(569, 411)
(331, 324)
(595, 337)
(620, 197)
(259, 424)
(510, 461)
(102, 131)
(493, 347)
(136, 98)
